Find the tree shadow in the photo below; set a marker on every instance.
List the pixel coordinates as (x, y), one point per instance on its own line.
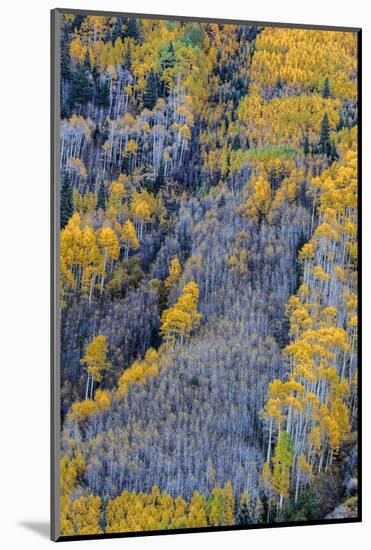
(41, 528)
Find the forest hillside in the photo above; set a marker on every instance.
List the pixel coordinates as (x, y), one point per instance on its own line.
(208, 274)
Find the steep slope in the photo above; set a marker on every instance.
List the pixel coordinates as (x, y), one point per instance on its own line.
(208, 274)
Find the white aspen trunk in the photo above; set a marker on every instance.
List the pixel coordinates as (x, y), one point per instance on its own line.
(270, 440)
(104, 271)
(87, 387)
(297, 487)
(92, 282)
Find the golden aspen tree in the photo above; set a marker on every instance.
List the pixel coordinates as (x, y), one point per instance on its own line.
(87, 512)
(175, 271)
(72, 468)
(266, 484)
(220, 506)
(117, 194)
(143, 206)
(139, 371)
(197, 511)
(178, 321)
(67, 520)
(129, 238)
(96, 362)
(109, 244)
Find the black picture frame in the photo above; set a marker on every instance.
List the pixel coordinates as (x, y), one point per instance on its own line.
(55, 298)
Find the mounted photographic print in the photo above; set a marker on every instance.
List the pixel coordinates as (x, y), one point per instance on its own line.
(205, 195)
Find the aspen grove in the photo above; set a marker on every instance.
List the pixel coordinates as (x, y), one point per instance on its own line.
(208, 274)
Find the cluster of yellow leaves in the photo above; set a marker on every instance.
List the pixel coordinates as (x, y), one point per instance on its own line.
(78, 165)
(81, 410)
(303, 59)
(117, 194)
(95, 357)
(133, 512)
(284, 121)
(82, 254)
(189, 70)
(259, 202)
(129, 237)
(139, 371)
(86, 251)
(89, 39)
(175, 271)
(84, 203)
(78, 122)
(72, 468)
(96, 363)
(80, 516)
(178, 321)
(264, 200)
(143, 206)
(313, 404)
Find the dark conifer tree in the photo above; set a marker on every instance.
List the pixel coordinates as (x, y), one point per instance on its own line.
(77, 22)
(168, 57)
(66, 202)
(221, 201)
(334, 154)
(326, 89)
(324, 144)
(132, 29)
(96, 134)
(160, 178)
(101, 199)
(82, 86)
(243, 515)
(87, 62)
(236, 142)
(151, 94)
(128, 58)
(65, 55)
(118, 29)
(299, 264)
(103, 97)
(306, 145)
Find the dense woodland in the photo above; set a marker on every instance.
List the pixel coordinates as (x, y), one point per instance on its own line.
(208, 274)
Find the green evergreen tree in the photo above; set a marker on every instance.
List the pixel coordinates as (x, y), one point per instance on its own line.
(236, 142)
(306, 145)
(279, 83)
(151, 94)
(101, 199)
(65, 55)
(77, 22)
(128, 57)
(324, 145)
(160, 178)
(82, 86)
(87, 63)
(118, 28)
(103, 95)
(243, 515)
(168, 57)
(132, 29)
(326, 89)
(66, 202)
(334, 154)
